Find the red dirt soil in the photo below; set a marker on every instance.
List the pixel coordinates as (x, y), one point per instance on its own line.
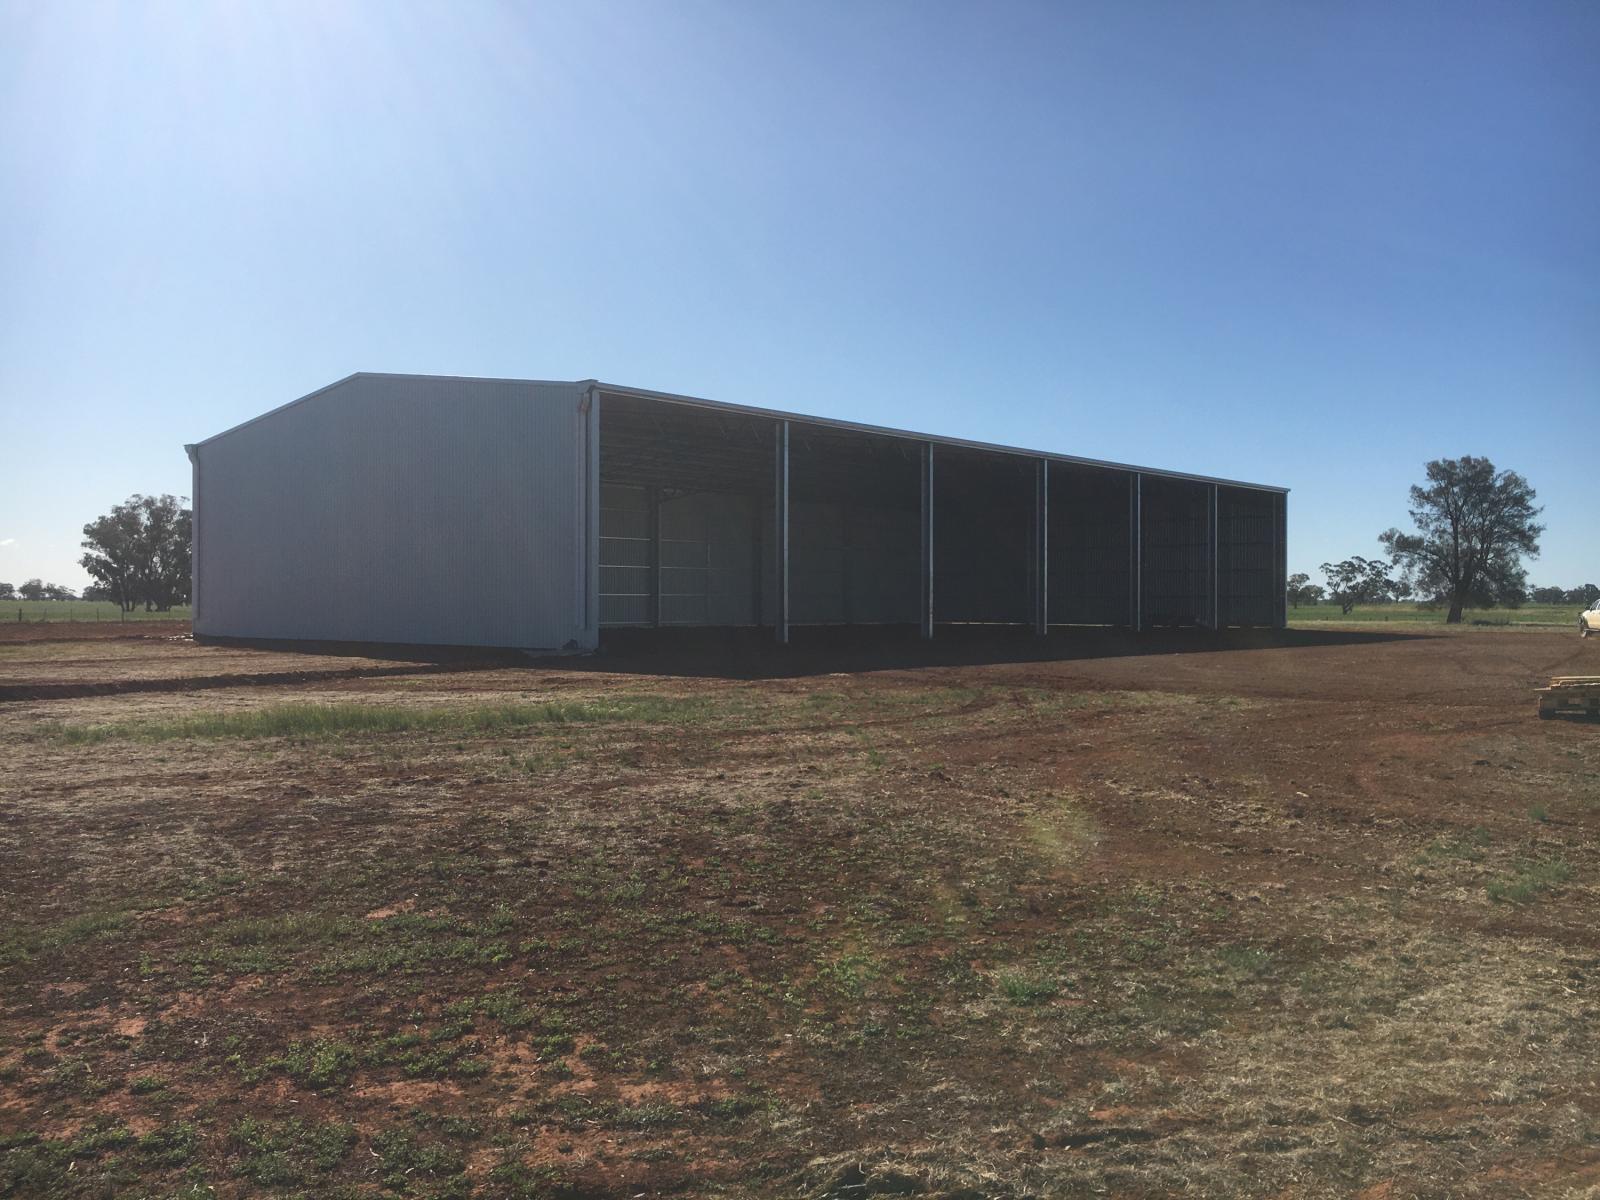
(1307, 914)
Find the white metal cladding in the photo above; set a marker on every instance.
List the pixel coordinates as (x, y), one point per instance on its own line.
(405, 509)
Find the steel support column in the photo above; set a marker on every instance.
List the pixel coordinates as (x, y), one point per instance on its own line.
(1136, 552)
(781, 532)
(588, 592)
(193, 451)
(925, 607)
(1213, 542)
(1041, 546)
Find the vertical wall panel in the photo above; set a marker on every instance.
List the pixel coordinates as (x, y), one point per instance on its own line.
(1247, 556)
(1176, 570)
(1281, 556)
(849, 564)
(403, 509)
(983, 539)
(1089, 546)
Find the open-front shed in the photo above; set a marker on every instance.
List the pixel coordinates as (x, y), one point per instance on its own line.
(534, 514)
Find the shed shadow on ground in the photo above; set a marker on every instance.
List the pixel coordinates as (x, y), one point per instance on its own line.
(752, 654)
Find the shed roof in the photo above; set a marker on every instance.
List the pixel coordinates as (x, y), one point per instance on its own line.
(779, 414)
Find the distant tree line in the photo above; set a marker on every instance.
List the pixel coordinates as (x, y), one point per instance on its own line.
(1474, 525)
(37, 589)
(1359, 580)
(1585, 595)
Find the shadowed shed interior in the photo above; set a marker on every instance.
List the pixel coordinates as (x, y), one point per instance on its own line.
(690, 531)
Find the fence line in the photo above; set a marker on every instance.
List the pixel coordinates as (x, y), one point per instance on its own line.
(40, 612)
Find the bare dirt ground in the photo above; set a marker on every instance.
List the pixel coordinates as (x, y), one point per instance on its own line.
(75, 631)
(1309, 914)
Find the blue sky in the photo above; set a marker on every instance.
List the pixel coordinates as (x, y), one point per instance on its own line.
(1304, 243)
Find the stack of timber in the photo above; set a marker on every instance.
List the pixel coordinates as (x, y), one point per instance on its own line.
(1571, 693)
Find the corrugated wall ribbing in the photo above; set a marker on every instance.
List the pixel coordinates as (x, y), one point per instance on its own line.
(1177, 552)
(1280, 505)
(402, 509)
(851, 563)
(1249, 553)
(983, 538)
(1089, 541)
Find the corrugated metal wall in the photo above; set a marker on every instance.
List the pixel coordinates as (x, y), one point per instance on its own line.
(1089, 546)
(983, 512)
(848, 564)
(402, 509)
(1249, 584)
(1176, 569)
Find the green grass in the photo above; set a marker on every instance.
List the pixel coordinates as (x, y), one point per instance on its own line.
(403, 1158)
(324, 721)
(33, 611)
(19, 944)
(1529, 881)
(1246, 961)
(1412, 613)
(100, 1160)
(1470, 846)
(282, 1154)
(1027, 987)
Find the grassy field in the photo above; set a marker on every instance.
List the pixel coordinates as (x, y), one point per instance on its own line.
(1414, 614)
(1308, 914)
(81, 610)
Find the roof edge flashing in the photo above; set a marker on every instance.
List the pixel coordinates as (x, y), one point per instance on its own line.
(272, 412)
